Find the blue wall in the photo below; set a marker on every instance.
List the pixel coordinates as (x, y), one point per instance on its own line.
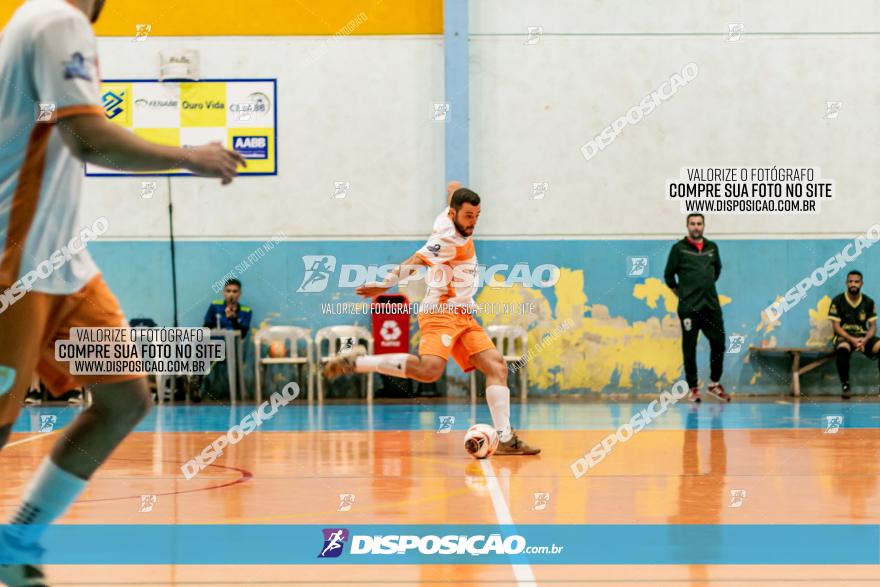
(755, 273)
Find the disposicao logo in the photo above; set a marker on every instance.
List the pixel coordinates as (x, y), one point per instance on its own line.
(334, 540)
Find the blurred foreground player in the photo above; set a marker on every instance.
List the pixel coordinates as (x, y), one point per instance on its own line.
(693, 267)
(52, 119)
(853, 316)
(446, 319)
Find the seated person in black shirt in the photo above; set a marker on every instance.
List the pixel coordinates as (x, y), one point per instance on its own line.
(854, 319)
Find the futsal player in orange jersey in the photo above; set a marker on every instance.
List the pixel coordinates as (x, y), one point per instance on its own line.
(446, 319)
(51, 119)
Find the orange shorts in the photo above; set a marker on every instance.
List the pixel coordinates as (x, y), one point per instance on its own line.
(457, 334)
(28, 331)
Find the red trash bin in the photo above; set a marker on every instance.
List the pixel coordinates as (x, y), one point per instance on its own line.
(390, 324)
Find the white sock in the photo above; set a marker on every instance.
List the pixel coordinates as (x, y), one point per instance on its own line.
(498, 398)
(47, 497)
(393, 364)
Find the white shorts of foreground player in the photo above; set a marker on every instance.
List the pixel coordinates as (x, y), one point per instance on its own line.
(640, 420)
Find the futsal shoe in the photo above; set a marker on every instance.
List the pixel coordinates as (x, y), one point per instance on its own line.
(694, 395)
(20, 574)
(343, 363)
(844, 392)
(716, 390)
(515, 446)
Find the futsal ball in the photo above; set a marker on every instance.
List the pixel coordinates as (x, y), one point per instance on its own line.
(277, 349)
(480, 441)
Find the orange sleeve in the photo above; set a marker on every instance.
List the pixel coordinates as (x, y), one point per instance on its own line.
(79, 109)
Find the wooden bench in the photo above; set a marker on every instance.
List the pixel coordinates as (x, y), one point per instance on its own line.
(822, 356)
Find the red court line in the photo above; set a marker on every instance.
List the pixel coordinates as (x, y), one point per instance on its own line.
(245, 477)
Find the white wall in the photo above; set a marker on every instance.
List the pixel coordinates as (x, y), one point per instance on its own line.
(352, 109)
(646, 16)
(361, 113)
(759, 101)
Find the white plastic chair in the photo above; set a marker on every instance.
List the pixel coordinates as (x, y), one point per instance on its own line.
(164, 388)
(334, 335)
(512, 342)
(291, 336)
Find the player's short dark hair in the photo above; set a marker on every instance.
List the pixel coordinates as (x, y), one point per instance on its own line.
(692, 214)
(855, 272)
(463, 196)
(233, 281)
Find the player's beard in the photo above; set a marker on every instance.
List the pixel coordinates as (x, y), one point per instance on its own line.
(854, 290)
(96, 10)
(461, 229)
(696, 234)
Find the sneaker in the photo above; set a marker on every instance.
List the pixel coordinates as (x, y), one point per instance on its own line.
(515, 446)
(21, 574)
(343, 364)
(717, 390)
(76, 399)
(33, 398)
(844, 391)
(694, 395)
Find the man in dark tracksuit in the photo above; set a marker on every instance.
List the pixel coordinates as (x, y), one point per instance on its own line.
(692, 269)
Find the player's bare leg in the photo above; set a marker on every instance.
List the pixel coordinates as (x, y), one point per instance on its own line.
(116, 409)
(421, 368)
(429, 368)
(492, 365)
(82, 448)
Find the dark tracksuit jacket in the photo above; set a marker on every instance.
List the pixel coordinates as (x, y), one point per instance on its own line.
(694, 273)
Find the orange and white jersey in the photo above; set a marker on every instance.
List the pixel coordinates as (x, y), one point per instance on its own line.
(452, 267)
(49, 68)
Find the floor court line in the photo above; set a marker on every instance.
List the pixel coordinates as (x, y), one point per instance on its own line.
(30, 438)
(523, 573)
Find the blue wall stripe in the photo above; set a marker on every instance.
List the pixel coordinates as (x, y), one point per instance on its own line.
(455, 67)
(755, 272)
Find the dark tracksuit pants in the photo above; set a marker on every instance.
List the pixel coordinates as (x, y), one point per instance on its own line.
(711, 323)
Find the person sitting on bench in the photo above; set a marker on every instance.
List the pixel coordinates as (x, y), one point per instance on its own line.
(854, 319)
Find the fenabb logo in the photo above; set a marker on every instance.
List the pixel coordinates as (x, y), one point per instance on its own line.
(156, 104)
